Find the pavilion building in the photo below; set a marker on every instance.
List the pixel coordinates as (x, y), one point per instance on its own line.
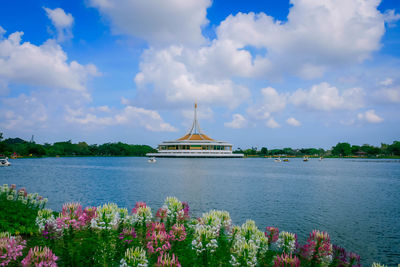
(195, 144)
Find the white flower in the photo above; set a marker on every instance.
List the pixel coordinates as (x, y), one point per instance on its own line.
(286, 242)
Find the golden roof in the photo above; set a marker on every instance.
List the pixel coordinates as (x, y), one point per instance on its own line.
(195, 137)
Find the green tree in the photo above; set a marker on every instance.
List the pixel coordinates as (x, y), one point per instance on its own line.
(264, 151)
(394, 149)
(342, 149)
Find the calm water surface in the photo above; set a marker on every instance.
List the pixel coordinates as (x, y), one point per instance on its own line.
(356, 201)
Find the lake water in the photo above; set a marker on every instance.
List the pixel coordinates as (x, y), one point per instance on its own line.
(356, 201)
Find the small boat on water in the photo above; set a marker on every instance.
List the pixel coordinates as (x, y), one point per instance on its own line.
(320, 158)
(4, 162)
(305, 159)
(277, 160)
(285, 160)
(152, 160)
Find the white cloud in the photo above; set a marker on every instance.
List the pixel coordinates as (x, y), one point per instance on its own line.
(317, 35)
(388, 95)
(202, 113)
(325, 97)
(369, 116)
(271, 123)
(22, 113)
(238, 121)
(270, 102)
(44, 65)
(390, 17)
(62, 22)
(159, 22)
(130, 115)
(387, 82)
(166, 75)
(292, 121)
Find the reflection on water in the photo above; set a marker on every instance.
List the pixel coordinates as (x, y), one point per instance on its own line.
(356, 202)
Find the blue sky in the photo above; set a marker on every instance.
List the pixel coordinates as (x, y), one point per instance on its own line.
(299, 73)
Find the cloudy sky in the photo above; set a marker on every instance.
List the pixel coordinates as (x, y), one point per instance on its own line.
(298, 73)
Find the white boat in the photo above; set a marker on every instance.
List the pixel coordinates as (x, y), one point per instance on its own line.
(305, 159)
(152, 160)
(277, 160)
(4, 162)
(320, 158)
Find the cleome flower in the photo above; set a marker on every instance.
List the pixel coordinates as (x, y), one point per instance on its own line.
(318, 248)
(162, 214)
(248, 242)
(176, 210)
(43, 216)
(10, 248)
(21, 195)
(272, 233)
(208, 229)
(108, 216)
(72, 215)
(134, 257)
(158, 239)
(286, 242)
(141, 214)
(127, 235)
(39, 256)
(178, 232)
(286, 260)
(168, 261)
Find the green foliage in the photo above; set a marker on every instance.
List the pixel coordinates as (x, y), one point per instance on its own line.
(211, 240)
(67, 148)
(18, 210)
(341, 149)
(394, 148)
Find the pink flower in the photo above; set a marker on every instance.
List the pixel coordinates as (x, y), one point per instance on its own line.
(39, 256)
(178, 232)
(138, 205)
(73, 215)
(158, 239)
(161, 213)
(10, 249)
(166, 260)
(286, 260)
(318, 247)
(272, 233)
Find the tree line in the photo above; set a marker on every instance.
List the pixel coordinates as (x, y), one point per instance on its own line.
(340, 150)
(20, 147)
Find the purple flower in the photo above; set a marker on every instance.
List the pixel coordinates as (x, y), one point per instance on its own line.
(127, 235)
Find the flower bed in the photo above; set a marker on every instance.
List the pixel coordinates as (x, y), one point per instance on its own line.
(111, 236)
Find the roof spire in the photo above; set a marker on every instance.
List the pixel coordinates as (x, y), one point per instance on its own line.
(195, 132)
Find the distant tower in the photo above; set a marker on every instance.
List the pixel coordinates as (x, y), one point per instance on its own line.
(32, 141)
